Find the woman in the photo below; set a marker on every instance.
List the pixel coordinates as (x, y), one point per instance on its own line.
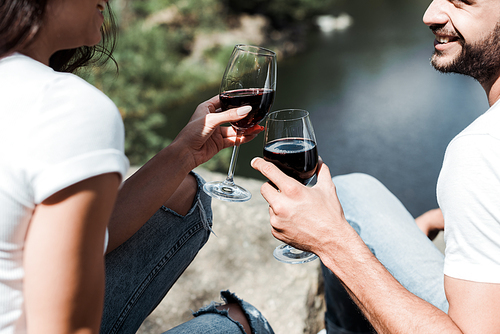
(62, 203)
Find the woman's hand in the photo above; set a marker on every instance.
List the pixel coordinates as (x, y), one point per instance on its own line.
(204, 136)
(164, 179)
(308, 218)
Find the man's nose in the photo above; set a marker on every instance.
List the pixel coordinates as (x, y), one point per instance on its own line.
(436, 13)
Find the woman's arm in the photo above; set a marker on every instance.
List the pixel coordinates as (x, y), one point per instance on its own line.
(157, 181)
(63, 258)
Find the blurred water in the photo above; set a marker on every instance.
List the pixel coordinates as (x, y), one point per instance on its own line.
(376, 104)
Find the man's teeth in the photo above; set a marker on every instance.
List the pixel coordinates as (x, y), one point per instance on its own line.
(443, 39)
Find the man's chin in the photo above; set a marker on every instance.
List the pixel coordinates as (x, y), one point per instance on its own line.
(441, 64)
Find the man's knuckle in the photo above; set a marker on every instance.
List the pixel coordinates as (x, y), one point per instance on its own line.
(267, 169)
(291, 190)
(280, 210)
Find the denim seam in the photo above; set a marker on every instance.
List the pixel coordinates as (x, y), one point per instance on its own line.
(206, 222)
(154, 272)
(197, 197)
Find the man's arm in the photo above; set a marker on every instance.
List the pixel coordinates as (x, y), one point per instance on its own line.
(474, 306)
(312, 219)
(388, 306)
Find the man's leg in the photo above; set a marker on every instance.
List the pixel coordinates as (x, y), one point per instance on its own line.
(390, 232)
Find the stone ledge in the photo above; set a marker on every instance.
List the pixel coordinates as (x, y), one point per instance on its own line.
(240, 259)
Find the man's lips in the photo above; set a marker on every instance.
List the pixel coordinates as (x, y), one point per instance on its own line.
(443, 42)
(444, 35)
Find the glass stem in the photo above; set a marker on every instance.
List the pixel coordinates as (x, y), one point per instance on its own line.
(234, 157)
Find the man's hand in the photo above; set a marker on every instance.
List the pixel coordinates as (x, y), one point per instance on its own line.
(431, 222)
(307, 218)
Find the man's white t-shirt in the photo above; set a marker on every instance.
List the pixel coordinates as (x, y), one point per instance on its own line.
(55, 130)
(468, 193)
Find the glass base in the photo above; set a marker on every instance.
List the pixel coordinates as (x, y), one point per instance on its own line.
(227, 191)
(288, 254)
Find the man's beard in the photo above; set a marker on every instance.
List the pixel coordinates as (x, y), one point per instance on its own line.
(480, 60)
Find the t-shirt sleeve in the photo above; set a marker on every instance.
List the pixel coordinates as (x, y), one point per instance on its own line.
(471, 209)
(79, 134)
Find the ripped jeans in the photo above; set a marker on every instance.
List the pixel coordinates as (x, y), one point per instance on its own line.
(392, 235)
(141, 271)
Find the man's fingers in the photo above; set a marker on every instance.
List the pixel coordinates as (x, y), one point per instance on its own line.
(323, 173)
(268, 189)
(273, 174)
(267, 169)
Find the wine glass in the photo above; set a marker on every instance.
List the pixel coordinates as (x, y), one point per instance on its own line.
(290, 144)
(249, 80)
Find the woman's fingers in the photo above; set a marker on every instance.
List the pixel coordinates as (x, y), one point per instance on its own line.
(231, 115)
(230, 133)
(213, 104)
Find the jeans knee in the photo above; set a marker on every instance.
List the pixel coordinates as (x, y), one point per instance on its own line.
(355, 179)
(256, 320)
(358, 185)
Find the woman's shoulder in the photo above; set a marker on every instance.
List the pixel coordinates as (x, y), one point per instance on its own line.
(20, 74)
(30, 89)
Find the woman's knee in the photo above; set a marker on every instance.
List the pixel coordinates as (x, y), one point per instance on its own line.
(183, 198)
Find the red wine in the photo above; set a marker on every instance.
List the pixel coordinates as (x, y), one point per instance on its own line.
(296, 157)
(261, 100)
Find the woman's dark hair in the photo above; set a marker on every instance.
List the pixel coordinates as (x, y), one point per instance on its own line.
(21, 20)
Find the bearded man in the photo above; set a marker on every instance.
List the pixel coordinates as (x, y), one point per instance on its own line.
(372, 250)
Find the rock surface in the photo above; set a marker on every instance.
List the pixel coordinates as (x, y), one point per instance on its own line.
(240, 259)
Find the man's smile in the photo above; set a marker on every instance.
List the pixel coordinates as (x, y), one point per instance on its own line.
(444, 37)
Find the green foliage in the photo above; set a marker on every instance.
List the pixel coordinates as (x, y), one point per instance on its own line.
(154, 74)
(161, 65)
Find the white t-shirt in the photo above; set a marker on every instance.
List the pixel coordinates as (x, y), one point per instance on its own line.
(55, 130)
(468, 193)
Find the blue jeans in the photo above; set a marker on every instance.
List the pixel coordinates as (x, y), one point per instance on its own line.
(141, 271)
(392, 235)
